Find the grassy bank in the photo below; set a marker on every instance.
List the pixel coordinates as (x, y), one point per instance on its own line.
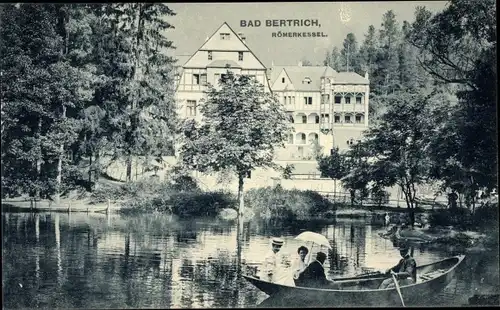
(180, 196)
(278, 203)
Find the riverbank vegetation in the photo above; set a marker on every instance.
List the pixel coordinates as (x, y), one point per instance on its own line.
(432, 106)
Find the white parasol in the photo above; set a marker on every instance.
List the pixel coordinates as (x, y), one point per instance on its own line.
(309, 236)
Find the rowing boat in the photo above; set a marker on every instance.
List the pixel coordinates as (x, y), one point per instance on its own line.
(363, 289)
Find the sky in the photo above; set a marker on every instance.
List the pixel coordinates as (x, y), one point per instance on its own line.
(194, 22)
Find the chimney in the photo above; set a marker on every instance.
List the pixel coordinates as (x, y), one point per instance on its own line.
(300, 63)
(242, 37)
(366, 75)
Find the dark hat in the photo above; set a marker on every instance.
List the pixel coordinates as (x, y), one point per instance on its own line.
(278, 241)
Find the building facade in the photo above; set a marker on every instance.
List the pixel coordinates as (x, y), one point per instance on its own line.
(224, 50)
(327, 108)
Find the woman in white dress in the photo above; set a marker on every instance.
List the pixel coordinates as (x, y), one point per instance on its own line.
(300, 263)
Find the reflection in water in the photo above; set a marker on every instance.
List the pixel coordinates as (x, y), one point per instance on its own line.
(100, 261)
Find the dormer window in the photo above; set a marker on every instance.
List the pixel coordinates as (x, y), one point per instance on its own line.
(307, 80)
(224, 36)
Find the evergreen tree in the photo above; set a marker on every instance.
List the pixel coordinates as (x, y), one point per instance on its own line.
(349, 54)
(386, 77)
(368, 53)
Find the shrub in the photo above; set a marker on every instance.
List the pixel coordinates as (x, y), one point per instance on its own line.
(457, 217)
(486, 216)
(293, 204)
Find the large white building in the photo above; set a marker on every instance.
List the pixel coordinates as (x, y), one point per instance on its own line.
(324, 105)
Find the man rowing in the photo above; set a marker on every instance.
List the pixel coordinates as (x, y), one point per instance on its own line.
(405, 271)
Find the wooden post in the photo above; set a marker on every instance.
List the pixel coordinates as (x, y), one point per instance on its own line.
(69, 207)
(31, 204)
(107, 209)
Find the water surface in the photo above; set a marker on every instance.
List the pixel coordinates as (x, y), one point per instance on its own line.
(154, 261)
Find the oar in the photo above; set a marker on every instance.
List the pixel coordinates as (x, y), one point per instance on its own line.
(398, 289)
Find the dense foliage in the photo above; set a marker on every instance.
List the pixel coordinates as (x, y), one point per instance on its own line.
(242, 124)
(81, 81)
(433, 105)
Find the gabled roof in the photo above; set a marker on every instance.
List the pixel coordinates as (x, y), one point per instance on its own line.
(350, 78)
(298, 74)
(223, 64)
(215, 43)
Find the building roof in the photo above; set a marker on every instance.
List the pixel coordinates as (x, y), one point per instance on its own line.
(223, 64)
(350, 78)
(297, 74)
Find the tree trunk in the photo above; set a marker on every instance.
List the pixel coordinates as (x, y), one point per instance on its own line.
(240, 196)
(334, 190)
(59, 164)
(90, 167)
(129, 167)
(97, 169)
(39, 159)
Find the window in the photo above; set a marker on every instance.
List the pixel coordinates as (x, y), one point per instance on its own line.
(306, 81)
(289, 99)
(240, 56)
(283, 80)
(325, 99)
(209, 55)
(338, 99)
(325, 118)
(293, 100)
(191, 107)
(348, 100)
(225, 36)
(358, 100)
(203, 79)
(317, 119)
(303, 138)
(337, 118)
(290, 116)
(347, 119)
(284, 100)
(308, 100)
(290, 139)
(304, 119)
(358, 119)
(196, 79)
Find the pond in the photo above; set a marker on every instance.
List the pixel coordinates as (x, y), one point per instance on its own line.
(78, 260)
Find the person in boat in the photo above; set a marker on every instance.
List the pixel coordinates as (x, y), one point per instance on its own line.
(300, 263)
(274, 269)
(405, 271)
(314, 274)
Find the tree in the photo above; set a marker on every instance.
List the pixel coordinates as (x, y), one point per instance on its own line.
(241, 127)
(306, 63)
(333, 167)
(151, 105)
(386, 76)
(368, 52)
(355, 166)
(457, 47)
(397, 145)
(350, 57)
(333, 59)
(46, 83)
